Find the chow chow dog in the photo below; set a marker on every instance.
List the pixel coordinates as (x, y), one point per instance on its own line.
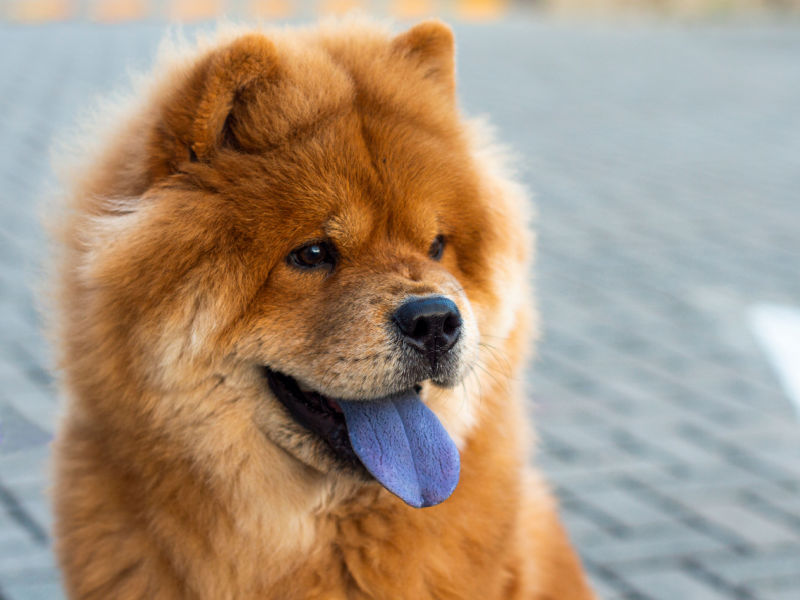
(292, 313)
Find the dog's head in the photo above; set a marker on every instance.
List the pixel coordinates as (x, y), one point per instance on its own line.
(313, 226)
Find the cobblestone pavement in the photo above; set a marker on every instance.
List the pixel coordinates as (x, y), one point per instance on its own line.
(666, 161)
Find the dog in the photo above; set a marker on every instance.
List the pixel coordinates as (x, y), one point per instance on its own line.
(291, 309)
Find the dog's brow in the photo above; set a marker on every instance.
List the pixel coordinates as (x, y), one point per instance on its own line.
(350, 225)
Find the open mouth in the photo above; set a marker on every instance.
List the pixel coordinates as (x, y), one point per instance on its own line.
(320, 414)
(396, 438)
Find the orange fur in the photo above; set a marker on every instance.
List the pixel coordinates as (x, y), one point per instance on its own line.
(178, 475)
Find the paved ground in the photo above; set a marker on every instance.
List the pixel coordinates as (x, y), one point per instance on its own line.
(667, 165)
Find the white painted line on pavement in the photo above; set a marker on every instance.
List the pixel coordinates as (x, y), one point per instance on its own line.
(777, 329)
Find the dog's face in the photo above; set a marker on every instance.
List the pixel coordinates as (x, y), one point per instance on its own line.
(315, 229)
(365, 293)
(364, 297)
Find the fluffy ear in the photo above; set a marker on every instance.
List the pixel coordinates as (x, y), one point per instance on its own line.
(234, 74)
(432, 46)
(210, 111)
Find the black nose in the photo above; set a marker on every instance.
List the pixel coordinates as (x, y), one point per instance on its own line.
(431, 324)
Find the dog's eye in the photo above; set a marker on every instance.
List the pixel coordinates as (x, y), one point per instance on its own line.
(437, 248)
(313, 255)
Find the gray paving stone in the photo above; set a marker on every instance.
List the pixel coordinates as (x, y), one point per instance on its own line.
(673, 583)
(712, 479)
(17, 433)
(11, 534)
(33, 591)
(583, 528)
(27, 562)
(652, 545)
(25, 467)
(776, 502)
(747, 523)
(36, 504)
(628, 509)
(607, 590)
(756, 570)
(610, 464)
(784, 594)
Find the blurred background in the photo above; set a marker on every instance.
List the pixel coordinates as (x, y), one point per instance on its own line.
(662, 141)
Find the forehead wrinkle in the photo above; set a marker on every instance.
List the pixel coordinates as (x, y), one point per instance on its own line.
(405, 196)
(352, 224)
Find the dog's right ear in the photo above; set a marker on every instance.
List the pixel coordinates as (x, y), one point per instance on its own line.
(431, 45)
(211, 111)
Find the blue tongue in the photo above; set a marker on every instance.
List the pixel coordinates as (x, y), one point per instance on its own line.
(405, 447)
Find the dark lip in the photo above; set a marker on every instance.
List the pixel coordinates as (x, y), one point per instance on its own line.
(320, 415)
(317, 413)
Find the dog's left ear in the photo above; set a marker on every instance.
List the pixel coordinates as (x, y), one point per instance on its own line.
(213, 107)
(234, 79)
(432, 46)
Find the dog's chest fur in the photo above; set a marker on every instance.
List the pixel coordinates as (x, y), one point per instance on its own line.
(378, 548)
